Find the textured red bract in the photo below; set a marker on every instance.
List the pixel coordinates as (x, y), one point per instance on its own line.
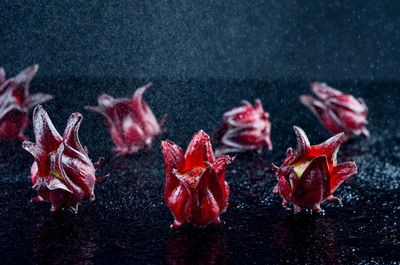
(62, 173)
(15, 102)
(244, 128)
(337, 111)
(195, 188)
(310, 174)
(131, 123)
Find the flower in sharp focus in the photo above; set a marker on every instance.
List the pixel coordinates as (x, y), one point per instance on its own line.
(310, 174)
(15, 102)
(62, 173)
(337, 111)
(244, 128)
(195, 188)
(131, 123)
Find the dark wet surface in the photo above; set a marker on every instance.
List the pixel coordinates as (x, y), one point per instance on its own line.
(128, 223)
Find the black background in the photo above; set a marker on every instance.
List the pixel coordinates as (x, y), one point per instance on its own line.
(203, 59)
(329, 40)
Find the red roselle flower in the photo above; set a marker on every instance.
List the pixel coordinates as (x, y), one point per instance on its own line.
(62, 173)
(195, 188)
(15, 102)
(244, 128)
(337, 111)
(131, 123)
(310, 175)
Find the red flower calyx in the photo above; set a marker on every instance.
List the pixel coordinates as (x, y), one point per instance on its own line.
(15, 102)
(244, 128)
(131, 123)
(337, 111)
(195, 188)
(310, 174)
(62, 173)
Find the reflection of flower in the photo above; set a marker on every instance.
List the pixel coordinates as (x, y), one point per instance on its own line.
(131, 123)
(194, 246)
(310, 175)
(15, 102)
(306, 239)
(61, 239)
(337, 111)
(195, 188)
(244, 128)
(62, 173)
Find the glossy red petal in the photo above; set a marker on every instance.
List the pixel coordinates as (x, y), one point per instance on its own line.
(341, 173)
(283, 187)
(150, 124)
(220, 165)
(199, 151)
(46, 134)
(329, 148)
(302, 148)
(210, 198)
(70, 135)
(23, 80)
(40, 155)
(179, 199)
(174, 159)
(314, 185)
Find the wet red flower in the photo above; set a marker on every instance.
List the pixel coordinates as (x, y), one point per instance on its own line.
(195, 188)
(15, 102)
(62, 173)
(131, 123)
(244, 128)
(310, 175)
(337, 111)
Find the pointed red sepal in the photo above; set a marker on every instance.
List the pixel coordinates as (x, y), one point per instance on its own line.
(303, 146)
(62, 173)
(341, 173)
(198, 151)
(131, 122)
(309, 175)
(195, 189)
(244, 128)
(337, 111)
(15, 103)
(313, 186)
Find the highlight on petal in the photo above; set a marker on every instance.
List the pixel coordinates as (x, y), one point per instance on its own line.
(341, 173)
(211, 200)
(302, 148)
(2, 75)
(70, 135)
(313, 185)
(173, 156)
(329, 148)
(46, 134)
(198, 151)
